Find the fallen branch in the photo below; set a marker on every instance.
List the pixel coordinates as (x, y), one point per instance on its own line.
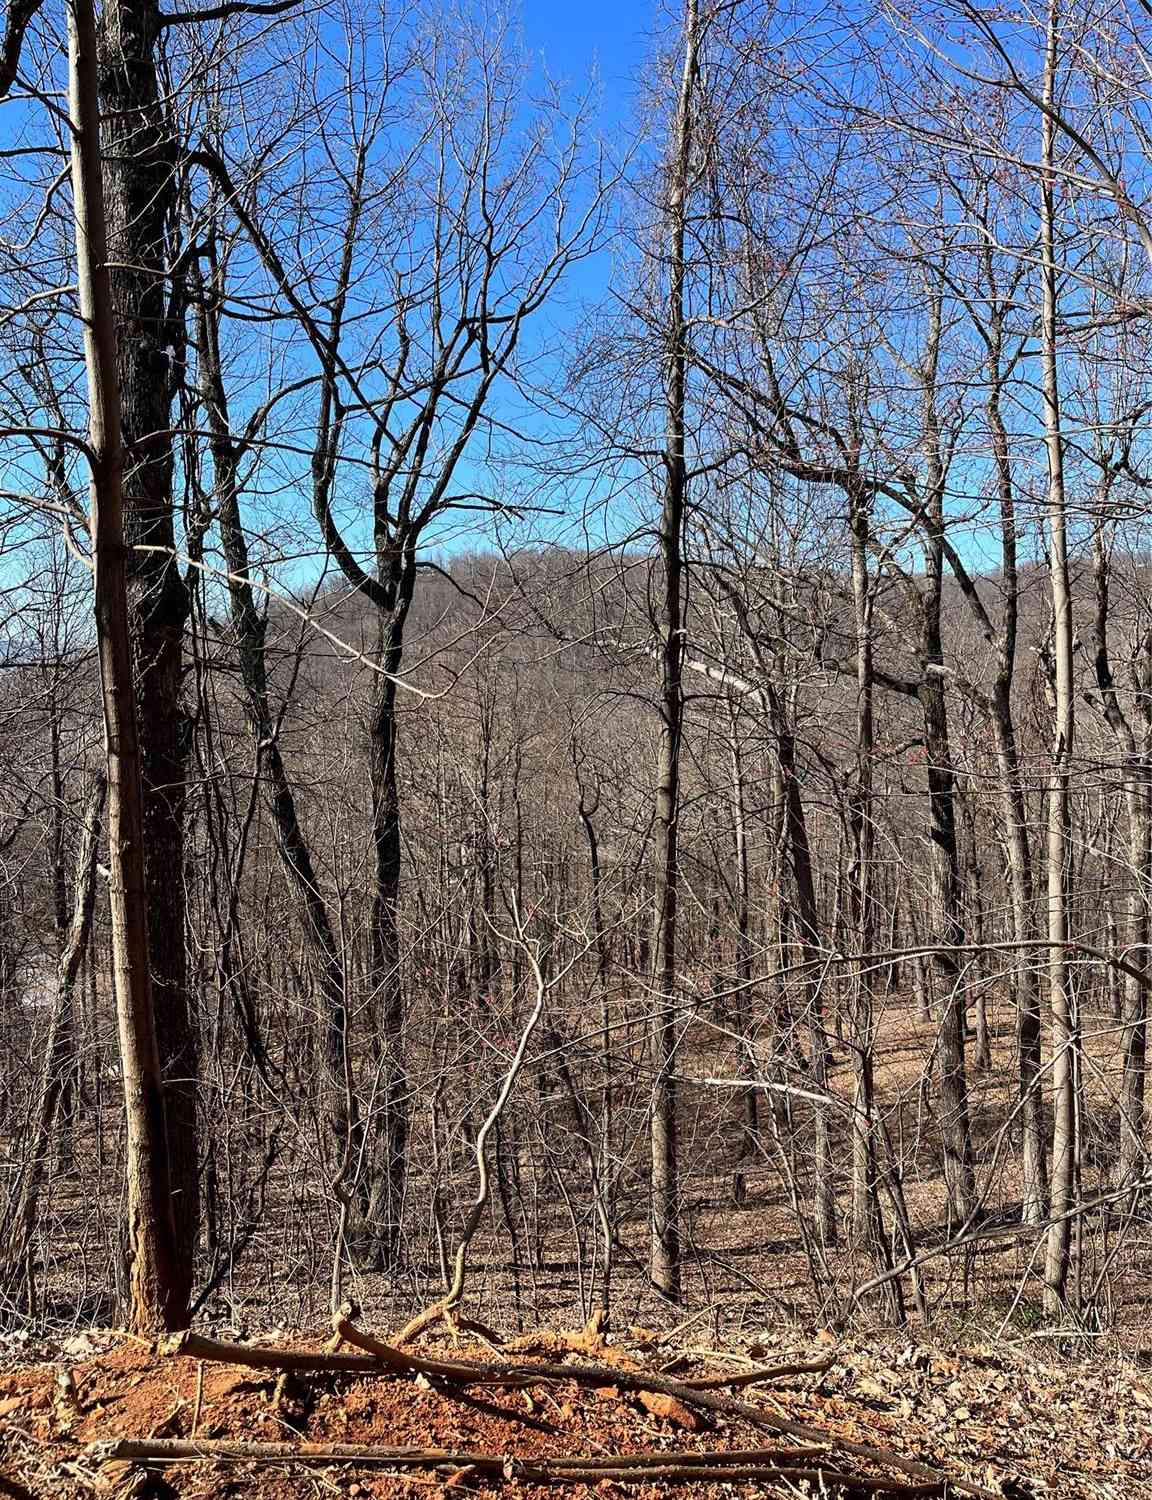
(383, 1359)
(761, 1374)
(122, 1449)
(749, 1466)
(596, 1376)
(625, 1378)
(256, 1357)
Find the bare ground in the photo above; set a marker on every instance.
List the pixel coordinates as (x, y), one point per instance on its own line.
(995, 1415)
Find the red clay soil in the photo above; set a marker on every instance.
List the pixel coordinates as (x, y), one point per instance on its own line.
(994, 1417)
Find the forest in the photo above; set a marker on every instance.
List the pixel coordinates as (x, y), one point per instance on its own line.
(575, 729)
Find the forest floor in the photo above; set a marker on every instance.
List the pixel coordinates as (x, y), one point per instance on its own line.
(990, 1395)
(996, 1416)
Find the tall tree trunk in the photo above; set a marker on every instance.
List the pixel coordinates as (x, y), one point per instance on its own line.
(1021, 880)
(56, 840)
(867, 1213)
(808, 933)
(63, 1064)
(1061, 999)
(158, 1273)
(1134, 1005)
(741, 1011)
(665, 1186)
(1020, 875)
(601, 1160)
(1134, 744)
(959, 1169)
(947, 900)
(388, 1171)
(141, 200)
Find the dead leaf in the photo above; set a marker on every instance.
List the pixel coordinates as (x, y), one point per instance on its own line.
(871, 1390)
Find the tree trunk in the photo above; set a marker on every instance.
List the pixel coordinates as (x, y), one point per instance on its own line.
(1029, 1060)
(973, 883)
(141, 198)
(1135, 749)
(387, 1175)
(808, 933)
(1061, 1001)
(158, 1272)
(665, 1187)
(867, 1214)
(742, 1010)
(602, 1164)
(1134, 1005)
(947, 898)
(959, 1170)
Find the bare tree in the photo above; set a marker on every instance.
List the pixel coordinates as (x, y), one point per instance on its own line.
(159, 1275)
(1060, 996)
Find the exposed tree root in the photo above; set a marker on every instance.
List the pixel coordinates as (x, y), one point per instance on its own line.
(443, 1311)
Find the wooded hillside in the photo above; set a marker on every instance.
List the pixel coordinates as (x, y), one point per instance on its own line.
(575, 698)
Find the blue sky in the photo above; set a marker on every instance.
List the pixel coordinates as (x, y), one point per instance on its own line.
(608, 40)
(609, 35)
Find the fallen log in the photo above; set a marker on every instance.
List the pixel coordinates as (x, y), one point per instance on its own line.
(158, 1449)
(751, 1466)
(382, 1359)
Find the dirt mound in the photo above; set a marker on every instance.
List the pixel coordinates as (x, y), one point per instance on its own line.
(1009, 1425)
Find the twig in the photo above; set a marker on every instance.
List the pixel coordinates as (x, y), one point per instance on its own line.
(760, 1374)
(199, 1402)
